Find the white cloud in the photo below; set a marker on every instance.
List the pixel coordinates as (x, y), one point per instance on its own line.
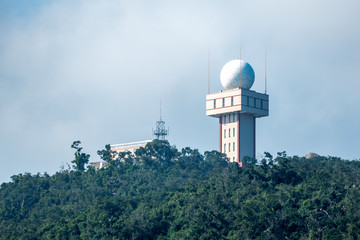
(95, 71)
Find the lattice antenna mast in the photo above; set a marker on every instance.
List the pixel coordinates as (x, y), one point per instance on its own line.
(160, 130)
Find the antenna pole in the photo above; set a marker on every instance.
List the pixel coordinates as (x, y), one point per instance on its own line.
(160, 109)
(209, 72)
(265, 74)
(240, 67)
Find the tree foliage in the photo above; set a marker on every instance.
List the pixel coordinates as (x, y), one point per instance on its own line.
(163, 193)
(107, 154)
(80, 158)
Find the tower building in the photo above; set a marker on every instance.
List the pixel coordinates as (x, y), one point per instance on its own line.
(237, 108)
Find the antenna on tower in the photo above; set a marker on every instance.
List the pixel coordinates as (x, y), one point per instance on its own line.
(160, 109)
(265, 74)
(209, 71)
(160, 131)
(240, 67)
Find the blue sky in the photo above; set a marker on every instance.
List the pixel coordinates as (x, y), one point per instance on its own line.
(95, 71)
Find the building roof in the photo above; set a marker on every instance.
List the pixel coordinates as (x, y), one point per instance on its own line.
(130, 144)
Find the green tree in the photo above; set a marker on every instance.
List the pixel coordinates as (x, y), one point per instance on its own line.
(157, 151)
(80, 158)
(107, 154)
(186, 195)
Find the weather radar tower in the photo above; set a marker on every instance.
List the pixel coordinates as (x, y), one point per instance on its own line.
(237, 108)
(160, 130)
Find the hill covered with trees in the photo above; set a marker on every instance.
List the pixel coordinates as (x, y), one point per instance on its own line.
(164, 193)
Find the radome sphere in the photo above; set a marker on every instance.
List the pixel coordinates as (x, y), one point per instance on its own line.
(230, 75)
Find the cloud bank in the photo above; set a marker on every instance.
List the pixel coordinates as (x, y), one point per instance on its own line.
(96, 71)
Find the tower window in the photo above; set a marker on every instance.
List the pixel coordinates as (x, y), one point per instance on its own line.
(214, 103)
(233, 117)
(251, 102)
(258, 103)
(233, 132)
(232, 101)
(229, 147)
(224, 118)
(224, 133)
(223, 102)
(229, 132)
(265, 105)
(234, 146)
(229, 118)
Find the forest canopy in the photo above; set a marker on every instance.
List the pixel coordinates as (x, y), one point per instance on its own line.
(164, 193)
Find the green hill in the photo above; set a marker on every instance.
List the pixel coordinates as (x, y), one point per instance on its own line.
(163, 193)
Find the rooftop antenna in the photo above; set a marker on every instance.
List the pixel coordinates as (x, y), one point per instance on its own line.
(160, 131)
(160, 109)
(265, 74)
(240, 67)
(209, 72)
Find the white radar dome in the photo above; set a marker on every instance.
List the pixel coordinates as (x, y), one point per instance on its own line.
(230, 75)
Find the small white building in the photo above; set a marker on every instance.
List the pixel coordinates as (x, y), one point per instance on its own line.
(123, 147)
(129, 147)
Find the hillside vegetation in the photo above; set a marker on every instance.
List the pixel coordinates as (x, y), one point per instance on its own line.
(164, 193)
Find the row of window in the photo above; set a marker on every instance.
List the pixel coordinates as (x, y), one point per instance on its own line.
(254, 102)
(229, 117)
(229, 132)
(223, 102)
(247, 101)
(229, 147)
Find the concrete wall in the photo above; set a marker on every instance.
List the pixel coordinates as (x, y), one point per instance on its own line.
(229, 136)
(247, 136)
(234, 134)
(233, 100)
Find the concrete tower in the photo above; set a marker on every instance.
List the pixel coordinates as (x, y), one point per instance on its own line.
(237, 108)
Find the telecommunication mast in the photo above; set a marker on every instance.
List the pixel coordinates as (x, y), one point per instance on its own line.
(160, 130)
